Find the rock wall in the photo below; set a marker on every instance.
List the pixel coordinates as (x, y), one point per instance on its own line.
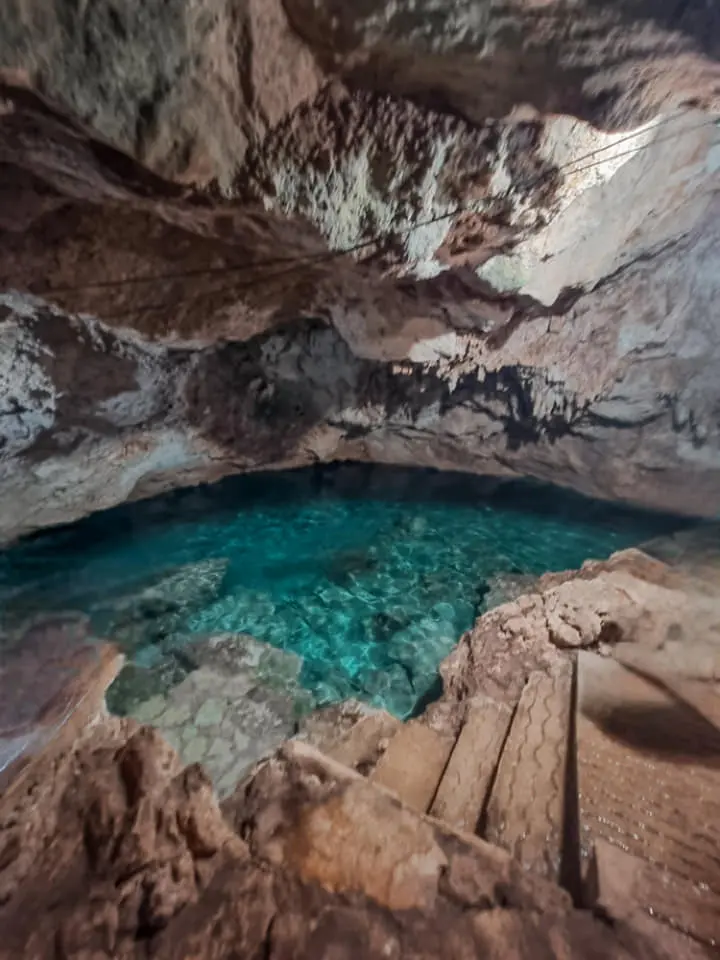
(443, 234)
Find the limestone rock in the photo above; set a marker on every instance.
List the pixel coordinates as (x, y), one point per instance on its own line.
(412, 251)
(350, 732)
(119, 810)
(143, 863)
(204, 94)
(628, 599)
(52, 685)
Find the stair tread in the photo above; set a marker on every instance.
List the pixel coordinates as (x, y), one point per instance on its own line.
(525, 812)
(625, 885)
(466, 782)
(648, 774)
(413, 764)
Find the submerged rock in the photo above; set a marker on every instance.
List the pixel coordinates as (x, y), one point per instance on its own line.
(239, 701)
(385, 625)
(391, 688)
(421, 647)
(350, 563)
(135, 684)
(245, 609)
(149, 611)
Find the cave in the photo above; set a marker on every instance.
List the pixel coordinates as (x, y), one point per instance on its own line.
(359, 479)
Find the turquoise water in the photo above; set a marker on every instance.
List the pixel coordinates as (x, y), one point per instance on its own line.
(369, 574)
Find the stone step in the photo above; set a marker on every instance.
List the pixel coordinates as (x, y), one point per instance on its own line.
(364, 744)
(526, 810)
(413, 764)
(465, 785)
(649, 781)
(624, 887)
(690, 673)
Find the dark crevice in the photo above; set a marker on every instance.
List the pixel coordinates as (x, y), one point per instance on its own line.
(570, 873)
(481, 826)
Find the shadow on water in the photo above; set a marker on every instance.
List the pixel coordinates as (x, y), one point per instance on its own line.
(432, 694)
(345, 482)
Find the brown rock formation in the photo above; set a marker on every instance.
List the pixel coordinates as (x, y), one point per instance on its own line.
(143, 864)
(52, 686)
(445, 235)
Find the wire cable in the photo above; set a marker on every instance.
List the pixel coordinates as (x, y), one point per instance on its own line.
(296, 262)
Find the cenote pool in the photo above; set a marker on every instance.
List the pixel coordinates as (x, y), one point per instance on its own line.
(369, 574)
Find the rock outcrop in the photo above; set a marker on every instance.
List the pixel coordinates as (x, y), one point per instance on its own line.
(52, 686)
(448, 235)
(630, 602)
(309, 860)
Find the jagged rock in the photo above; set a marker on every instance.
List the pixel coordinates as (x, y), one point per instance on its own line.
(630, 599)
(351, 732)
(52, 685)
(143, 863)
(525, 295)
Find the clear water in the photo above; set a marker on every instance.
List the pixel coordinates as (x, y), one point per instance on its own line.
(369, 574)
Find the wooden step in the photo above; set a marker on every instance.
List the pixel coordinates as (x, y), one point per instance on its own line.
(413, 764)
(525, 813)
(649, 781)
(466, 782)
(623, 887)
